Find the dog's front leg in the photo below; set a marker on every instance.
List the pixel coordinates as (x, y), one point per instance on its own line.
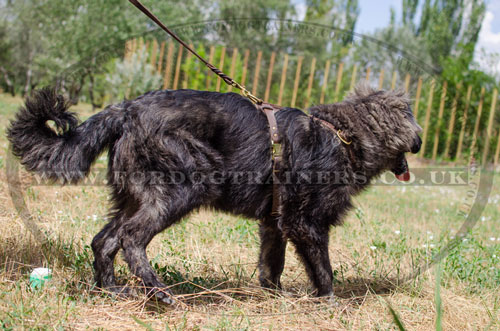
(272, 254)
(312, 247)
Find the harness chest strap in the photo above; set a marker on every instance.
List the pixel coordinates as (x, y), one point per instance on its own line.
(276, 152)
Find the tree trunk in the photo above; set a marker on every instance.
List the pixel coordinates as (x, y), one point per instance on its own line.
(75, 89)
(95, 105)
(29, 73)
(8, 82)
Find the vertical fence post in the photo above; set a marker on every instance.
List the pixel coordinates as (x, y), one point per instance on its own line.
(196, 83)
(497, 152)
(353, 77)
(256, 73)
(393, 80)
(269, 76)
(464, 122)
(186, 68)
(325, 82)
(440, 119)
(427, 117)
(134, 45)
(368, 71)
(490, 127)
(168, 65)
(297, 80)
(178, 67)
(233, 67)
(407, 82)
(127, 52)
(159, 64)
(283, 78)
(310, 83)
(221, 67)
(211, 56)
(154, 52)
(451, 125)
(381, 79)
(146, 50)
(245, 67)
(417, 97)
(478, 120)
(140, 49)
(338, 83)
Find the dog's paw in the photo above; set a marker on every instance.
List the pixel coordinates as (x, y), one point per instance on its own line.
(329, 299)
(333, 301)
(270, 285)
(163, 295)
(119, 291)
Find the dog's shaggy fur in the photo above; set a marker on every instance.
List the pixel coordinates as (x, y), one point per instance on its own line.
(185, 132)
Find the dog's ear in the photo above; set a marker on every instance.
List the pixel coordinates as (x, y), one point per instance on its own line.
(397, 99)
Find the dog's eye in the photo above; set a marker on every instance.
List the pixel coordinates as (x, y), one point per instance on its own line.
(408, 114)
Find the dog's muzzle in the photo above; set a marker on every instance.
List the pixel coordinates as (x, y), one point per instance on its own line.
(401, 169)
(417, 143)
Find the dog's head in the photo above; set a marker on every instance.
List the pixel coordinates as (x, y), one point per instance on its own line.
(402, 131)
(380, 124)
(411, 143)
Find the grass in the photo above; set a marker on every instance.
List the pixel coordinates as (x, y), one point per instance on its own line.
(209, 260)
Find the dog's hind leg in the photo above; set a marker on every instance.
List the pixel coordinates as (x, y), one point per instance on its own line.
(272, 254)
(135, 234)
(161, 210)
(105, 245)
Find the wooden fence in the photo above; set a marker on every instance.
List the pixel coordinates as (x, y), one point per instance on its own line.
(454, 128)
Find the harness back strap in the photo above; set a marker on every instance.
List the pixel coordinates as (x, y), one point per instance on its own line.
(268, 109)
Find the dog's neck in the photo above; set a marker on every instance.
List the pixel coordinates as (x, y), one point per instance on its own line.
(362, 152)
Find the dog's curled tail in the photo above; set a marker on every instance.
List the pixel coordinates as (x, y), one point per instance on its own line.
(65, 153)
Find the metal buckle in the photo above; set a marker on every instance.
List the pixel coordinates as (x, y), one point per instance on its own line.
(276, 150)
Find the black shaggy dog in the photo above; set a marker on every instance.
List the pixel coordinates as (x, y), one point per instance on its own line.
(173, 151)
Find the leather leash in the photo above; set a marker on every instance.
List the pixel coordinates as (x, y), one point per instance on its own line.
(268, 109)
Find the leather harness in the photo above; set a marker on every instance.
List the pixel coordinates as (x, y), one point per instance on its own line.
(270, 111)
(267, 108)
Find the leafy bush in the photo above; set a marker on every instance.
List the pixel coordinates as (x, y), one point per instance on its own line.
(132, 77)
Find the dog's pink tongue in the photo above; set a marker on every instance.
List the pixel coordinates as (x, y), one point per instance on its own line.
(404, 177)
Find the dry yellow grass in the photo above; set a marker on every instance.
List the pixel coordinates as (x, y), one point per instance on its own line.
(209, 259)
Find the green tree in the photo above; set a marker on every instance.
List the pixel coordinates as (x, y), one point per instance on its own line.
(22, 34)
(6, 82)
(70, 42)
(448, 27)
(247, 23)
(340, 14)
(444, 28)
